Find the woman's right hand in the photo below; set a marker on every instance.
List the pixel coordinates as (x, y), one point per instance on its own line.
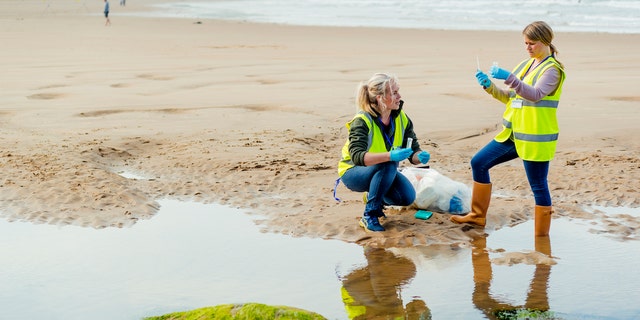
(400, 154)
(483, 79)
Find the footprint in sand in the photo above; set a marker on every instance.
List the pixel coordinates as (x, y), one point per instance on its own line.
(45, 96)
(626, 99)
(120, 85)
(149, 76)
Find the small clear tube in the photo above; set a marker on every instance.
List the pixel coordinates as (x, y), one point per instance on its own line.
(409, 142)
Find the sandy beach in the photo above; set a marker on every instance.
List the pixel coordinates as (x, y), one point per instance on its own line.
(252, 116)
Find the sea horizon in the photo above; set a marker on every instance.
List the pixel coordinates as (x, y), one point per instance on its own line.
(601, 16)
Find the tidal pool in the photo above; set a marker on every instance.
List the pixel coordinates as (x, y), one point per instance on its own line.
(194, 255)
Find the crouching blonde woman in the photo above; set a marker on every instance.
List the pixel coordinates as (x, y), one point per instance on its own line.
(374, 148)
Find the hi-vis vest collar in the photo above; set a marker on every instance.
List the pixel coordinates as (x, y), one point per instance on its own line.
(376, 139)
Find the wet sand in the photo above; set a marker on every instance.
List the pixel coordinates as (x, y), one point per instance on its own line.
(252, 116)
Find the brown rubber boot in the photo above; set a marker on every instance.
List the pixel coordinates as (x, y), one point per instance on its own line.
(480, 198)
(543, 220)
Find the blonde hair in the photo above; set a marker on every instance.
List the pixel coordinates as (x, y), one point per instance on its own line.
(541, 31)
(378, 86)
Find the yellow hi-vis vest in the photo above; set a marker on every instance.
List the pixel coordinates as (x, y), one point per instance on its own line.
(351, 306)
(533, 126)
(376, 138)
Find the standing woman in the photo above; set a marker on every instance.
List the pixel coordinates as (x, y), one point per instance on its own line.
(529, 125)
(370, 156)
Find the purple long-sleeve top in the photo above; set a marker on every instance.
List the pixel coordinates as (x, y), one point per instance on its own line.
(547, 83)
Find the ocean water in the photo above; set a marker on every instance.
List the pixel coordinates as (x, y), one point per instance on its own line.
(610, 16)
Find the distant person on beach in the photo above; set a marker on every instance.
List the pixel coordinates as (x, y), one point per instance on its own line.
(106, 12)
(123, 3)
(529, 125)
(377, 142)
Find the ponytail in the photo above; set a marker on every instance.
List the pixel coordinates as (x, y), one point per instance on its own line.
(362, 98)
(554, 52)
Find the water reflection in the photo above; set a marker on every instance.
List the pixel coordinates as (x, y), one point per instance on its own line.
(193, 255)
(188, 256)
(537, 296)
(374, 290)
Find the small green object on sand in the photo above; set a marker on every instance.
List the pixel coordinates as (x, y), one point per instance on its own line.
(423, 214)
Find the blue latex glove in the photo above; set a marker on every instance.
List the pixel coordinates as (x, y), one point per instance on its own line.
(455, 205)
(400, 154)
(424, 157)
(483, 79)
(499, 73)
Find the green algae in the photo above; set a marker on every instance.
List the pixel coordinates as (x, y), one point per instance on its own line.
(248, 311)
(525, 314)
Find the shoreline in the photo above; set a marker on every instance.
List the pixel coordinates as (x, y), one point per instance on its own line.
(197, 10)
(252, 116)
(145, 9)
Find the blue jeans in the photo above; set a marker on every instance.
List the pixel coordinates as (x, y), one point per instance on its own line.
(495, 153)
(385, 184)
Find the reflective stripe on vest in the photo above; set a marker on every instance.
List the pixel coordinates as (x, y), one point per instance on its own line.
(534, 127)
(541, 103)
(536, 137)
(376, 138)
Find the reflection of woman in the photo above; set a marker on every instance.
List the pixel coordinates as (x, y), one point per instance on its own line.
(373, 291)
(530, 127)
(537, 298)
(374, 148)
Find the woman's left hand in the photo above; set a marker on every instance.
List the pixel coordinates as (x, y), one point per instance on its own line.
(424, 157)
(499, 73)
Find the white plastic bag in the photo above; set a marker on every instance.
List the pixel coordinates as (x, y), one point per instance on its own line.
(438, 193)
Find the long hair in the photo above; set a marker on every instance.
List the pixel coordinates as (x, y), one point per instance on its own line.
(368, 93)
(541, 31)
